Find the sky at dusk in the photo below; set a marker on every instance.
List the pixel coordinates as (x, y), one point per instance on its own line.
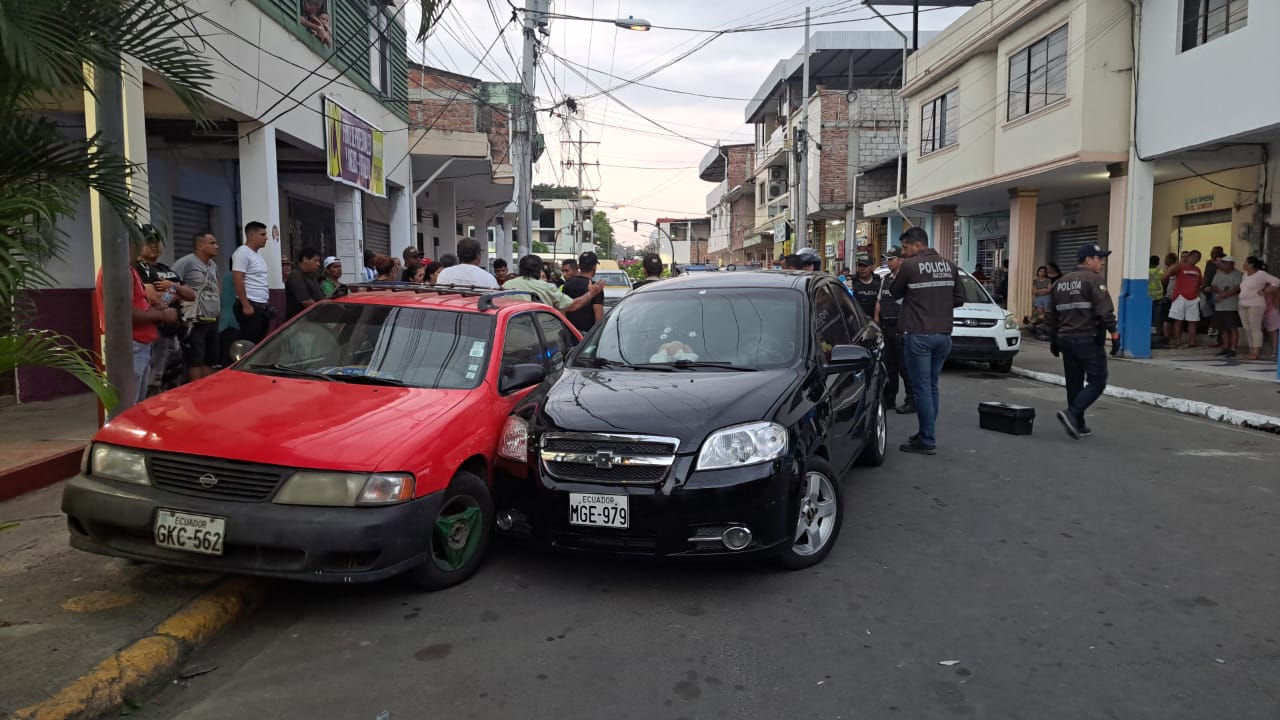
(650, 139)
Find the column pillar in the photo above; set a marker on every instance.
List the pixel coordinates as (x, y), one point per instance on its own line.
(944, 230)
(348, 215)
(896, 227)
(1022, 250)
(135, 146)
(404, 231)
(1117, 217)
(260, 192)
(1133, 305)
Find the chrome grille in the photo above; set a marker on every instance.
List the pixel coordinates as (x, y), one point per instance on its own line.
(234, 480)
(611, 459)
(974, 322)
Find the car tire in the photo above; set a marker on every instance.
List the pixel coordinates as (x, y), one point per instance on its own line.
(877, 440)
(1003, 366)
(820, 510)
(459, 536)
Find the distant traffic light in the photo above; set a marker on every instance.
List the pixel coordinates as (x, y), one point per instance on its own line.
(635, 226)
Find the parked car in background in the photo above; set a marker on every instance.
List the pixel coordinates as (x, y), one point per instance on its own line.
(982, 331)
(355, 443)
(616, 285)
(760, 391)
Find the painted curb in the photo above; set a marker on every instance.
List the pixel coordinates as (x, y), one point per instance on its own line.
(1219, 413)
(149, 659)
(41, 473)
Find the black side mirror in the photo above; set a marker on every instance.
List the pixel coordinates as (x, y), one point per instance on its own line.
(849, 358)
(520, 376)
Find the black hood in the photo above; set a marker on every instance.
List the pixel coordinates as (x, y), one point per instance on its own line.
(687, 405)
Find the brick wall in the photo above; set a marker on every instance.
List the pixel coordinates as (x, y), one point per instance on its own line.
(875, 121)
(497, 123)
(441, 101)
(740, 160)
(742, 213)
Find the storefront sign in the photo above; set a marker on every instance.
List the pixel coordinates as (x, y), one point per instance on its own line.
(353, 148)
(1204, 202)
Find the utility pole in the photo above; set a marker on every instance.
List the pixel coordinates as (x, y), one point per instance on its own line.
(534, 20)
(802, 150)
(117, 279)
(579, 220)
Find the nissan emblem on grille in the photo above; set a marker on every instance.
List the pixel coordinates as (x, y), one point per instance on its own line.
(604, 459)
(207, 480)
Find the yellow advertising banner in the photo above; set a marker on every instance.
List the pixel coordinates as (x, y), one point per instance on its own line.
(353, 150)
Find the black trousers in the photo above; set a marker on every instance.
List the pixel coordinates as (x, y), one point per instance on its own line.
(253, 327)
(895, 363)
(1083, 359)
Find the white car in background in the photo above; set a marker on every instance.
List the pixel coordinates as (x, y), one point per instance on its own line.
(616, 285)
(982, 331)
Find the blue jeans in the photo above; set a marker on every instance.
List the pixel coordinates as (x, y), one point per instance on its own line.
(141, 369)
(926, 353)
(1083, 358)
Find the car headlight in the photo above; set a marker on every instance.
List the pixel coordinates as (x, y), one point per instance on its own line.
(1009, 322)
(514, 444)
(119, 463)
(337, 489)
(740, 445)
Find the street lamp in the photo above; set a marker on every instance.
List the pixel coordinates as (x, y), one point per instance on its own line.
(632, 23)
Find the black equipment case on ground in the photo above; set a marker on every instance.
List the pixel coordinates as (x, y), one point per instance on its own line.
(1006, 418)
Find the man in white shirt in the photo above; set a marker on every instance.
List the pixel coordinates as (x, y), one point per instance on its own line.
(249, 275)
(468, 270)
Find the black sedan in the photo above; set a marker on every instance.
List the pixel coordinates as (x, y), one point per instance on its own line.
(711, 414)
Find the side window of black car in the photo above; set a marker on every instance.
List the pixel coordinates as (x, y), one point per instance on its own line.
(522, 344)
(828, 321)
(559, 340)
(854, 318)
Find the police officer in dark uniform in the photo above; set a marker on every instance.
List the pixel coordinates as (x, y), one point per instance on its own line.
(886, 316)
(865, 286)
(1080, 312)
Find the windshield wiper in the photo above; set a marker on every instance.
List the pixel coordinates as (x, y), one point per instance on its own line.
(690, 364)
(370, 380)
(295, 371)
(712, 364)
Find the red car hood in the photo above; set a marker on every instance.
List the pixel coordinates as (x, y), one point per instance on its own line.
(286, 421)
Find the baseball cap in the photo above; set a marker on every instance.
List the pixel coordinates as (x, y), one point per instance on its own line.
(330, 260)
(809, 255)
(894, 252)
(862, 260)
(1091, 250)
(1227, 258)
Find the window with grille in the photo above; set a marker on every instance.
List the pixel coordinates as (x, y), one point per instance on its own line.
(1205, 20)
(939, 122)
(1038, 74)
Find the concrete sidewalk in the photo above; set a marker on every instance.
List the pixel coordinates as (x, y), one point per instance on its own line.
(1190, 381)
(82, 635)
(41, 442)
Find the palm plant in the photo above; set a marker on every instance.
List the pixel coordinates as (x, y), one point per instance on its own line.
(45, 48)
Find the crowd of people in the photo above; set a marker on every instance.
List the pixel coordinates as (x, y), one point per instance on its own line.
(1224, 298)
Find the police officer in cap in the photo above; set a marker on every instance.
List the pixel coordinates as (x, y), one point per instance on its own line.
(809, 259)
(1080, 311)
(886, 316)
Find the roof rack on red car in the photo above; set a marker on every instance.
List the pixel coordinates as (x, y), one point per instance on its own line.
(486, 295)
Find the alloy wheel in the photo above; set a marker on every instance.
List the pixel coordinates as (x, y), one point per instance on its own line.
(817, 519)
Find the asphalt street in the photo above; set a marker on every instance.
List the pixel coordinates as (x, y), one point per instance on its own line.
(1130, 575)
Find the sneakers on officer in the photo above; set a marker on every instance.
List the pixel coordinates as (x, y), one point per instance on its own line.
(1084, 431)
(1068, 424)
(908, 408)
(915, 446)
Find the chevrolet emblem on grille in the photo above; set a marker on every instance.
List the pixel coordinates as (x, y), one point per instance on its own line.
(207, 480)
(604, 459)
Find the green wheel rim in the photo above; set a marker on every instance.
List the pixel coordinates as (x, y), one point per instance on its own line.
(456, 534)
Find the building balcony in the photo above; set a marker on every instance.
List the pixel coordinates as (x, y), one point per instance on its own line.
(773, 152)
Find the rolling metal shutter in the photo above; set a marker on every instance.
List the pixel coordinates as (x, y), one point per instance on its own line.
(189, 217)
(377, 237)
(1065, 243)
